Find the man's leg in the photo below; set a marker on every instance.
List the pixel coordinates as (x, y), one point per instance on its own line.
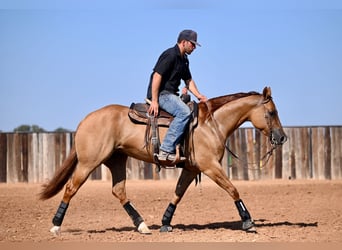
(181, 112)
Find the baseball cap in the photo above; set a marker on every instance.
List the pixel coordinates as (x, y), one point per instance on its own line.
(188, 35)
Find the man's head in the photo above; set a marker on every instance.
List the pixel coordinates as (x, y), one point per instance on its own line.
(188, 35)
(187, 41)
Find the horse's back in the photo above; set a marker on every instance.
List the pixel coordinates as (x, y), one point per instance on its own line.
(112, 110)
(103, 120)
(108, 129)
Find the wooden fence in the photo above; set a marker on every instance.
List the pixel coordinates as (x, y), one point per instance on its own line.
(309, 153)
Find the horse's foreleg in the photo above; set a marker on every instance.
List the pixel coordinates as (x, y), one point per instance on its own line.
(117, 166)
(217, 175)
(79, 177)
(183, 183)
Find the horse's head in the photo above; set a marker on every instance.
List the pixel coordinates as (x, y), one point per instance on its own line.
(265, 118)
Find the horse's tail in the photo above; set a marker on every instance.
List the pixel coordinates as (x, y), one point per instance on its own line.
(61, 176)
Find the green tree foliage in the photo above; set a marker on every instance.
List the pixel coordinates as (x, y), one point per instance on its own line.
(61, 130)
(28, 128)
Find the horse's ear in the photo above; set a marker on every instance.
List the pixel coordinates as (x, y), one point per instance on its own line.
(267, 93)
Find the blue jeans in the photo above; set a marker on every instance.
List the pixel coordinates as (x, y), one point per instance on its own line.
(181, 113)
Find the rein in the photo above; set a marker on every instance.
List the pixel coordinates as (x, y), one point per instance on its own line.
(267, 155)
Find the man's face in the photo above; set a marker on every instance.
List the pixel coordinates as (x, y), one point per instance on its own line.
(189, 47)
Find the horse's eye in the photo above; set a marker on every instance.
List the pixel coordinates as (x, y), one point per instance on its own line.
(272, 113)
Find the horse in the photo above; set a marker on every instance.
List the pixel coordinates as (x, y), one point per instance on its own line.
(108, 136)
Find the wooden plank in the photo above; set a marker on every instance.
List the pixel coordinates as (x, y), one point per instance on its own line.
(318, 152)
(327, 154)
(229, 159)
(314, 145)
(46, 148)
(40, 157)
(24, 156)
(252, 164)
(243, 154)
(298, 152)
(336, 153)
(17, 157)
(29, 157)
(58, 137)
(302, 168)
(224, 161)
(63, 148)
(292, 141)
(96, 174)
(267, 162)
(63, 144)
(239, 153)
(13, 159)
(156, 175)
(310, 155)
(286, 173)
(105, 173)
(134, 169)
(10, 159)
(278, 163)
(257, 146)
(3, 157)
(233, 141)
(33, 152)
(148, 174)
(321, 154)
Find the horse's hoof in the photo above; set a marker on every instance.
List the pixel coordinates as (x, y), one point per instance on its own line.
(166, 229)
(56, 230)
(248, 226)
(251, 230)
(143, 228)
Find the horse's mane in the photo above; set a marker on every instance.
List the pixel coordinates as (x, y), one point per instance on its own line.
(217, 102)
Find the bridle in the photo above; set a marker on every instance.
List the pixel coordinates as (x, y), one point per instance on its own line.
(264, 160)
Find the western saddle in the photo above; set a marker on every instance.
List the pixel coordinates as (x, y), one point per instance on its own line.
(138, 113)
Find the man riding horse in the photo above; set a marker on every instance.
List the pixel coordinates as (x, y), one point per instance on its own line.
(172, 67)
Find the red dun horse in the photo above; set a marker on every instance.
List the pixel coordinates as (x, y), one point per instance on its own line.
(108, 136)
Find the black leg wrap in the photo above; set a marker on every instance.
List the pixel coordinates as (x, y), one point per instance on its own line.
(167, 217)
(133, 213)
(244, 214)
(59, 216)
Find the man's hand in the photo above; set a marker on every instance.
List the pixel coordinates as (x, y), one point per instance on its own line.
(202, 98)
(153, 109)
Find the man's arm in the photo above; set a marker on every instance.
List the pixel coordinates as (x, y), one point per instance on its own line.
(156, 81)
(194, 90)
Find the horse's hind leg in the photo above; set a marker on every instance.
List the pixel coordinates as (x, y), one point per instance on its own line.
(117, 166)
(183, 183)
(80, 175)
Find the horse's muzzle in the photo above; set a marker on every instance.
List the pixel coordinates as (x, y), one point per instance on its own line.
(278, 137)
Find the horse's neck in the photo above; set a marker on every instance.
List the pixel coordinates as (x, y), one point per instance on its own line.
(233, 114)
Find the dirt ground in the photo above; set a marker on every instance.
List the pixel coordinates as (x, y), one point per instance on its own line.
(283, 211)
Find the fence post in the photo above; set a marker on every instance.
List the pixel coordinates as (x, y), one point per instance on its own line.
(327, 153)
(3, 157)
(336, 149)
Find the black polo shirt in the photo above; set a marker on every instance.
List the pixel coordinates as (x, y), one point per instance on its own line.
(173, 68)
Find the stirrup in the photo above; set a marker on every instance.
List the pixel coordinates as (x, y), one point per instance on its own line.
(171, 162)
